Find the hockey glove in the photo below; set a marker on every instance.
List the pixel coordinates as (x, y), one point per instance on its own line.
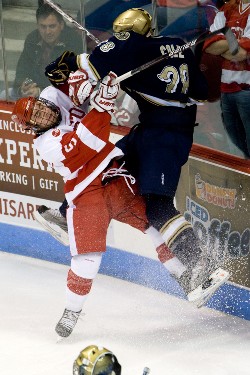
(104, 98)
(80, 86)
(58, 71)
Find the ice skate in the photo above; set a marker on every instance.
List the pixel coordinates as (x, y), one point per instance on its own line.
(203, 292)
(67, 323)
(54, 223)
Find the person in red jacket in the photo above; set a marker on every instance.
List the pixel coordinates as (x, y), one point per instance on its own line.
(235, 77)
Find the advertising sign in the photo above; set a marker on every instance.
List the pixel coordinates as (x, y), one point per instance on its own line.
(26, 181)
(216, 200)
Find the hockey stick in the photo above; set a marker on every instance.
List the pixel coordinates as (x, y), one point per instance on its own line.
(71, 20)
(231, 39)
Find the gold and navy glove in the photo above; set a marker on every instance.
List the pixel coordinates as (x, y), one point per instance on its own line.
(58, 71)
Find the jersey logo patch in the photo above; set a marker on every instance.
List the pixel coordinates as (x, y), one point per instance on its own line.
(122, 35)
(56, 133)
(107, 46)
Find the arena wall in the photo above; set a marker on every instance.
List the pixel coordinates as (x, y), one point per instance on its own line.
(27, 182)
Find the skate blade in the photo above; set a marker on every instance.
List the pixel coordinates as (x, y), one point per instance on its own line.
(55, 231)
(200, 296)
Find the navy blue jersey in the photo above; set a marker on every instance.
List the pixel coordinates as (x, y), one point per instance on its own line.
(165, 94)
(176, 79)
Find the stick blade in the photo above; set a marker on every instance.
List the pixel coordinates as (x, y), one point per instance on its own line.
(232, 41)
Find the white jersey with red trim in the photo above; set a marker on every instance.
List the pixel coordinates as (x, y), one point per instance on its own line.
(78, 148)
(235, 75)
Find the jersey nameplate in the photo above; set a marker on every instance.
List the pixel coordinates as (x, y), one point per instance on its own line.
(170, 49)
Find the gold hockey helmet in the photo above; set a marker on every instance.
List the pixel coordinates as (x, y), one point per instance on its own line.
(134, 19)
(96, 360)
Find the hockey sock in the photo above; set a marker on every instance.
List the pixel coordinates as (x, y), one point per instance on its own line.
(84, 268)
(176, 232)
(77, 290)
(179, 236)
(166, 257)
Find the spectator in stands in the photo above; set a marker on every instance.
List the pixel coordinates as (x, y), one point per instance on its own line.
(49, 40)
(235, 77)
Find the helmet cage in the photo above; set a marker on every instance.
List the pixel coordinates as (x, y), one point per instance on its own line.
(51, 123)
(23, 114)
(89, 362)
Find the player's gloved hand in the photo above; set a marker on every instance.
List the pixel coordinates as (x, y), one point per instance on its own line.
(104, 98)
(80, 86)
(58, 71)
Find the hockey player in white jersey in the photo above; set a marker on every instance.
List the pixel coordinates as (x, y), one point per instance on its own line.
(96, 182)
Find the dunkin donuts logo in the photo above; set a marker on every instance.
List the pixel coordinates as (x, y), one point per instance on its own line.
(216, 195)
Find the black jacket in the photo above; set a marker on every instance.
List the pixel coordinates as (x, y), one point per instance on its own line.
(36, 55)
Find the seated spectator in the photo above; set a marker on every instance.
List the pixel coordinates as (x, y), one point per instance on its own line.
(51, 38)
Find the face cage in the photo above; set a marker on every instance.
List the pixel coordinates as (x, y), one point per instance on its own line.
(76, 368)
(35, 127)
(79, 370)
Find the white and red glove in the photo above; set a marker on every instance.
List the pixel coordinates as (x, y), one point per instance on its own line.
(104, 98)
(80, 87)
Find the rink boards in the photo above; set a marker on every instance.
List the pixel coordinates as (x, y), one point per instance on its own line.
(27, 182)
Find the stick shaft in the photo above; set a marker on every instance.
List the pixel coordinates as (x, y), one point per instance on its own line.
(72, 20)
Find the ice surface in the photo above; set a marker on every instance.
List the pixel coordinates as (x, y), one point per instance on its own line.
(143, 327)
